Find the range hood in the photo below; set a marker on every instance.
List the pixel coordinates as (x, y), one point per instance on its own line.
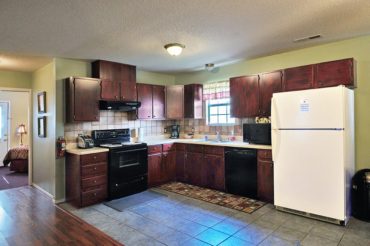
(123, 106)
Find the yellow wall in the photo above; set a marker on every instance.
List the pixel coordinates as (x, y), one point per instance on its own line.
(154, 78)
(358, 48)
(43, 154)
(14, 79)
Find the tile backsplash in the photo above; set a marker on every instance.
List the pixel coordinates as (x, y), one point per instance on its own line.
(116, 120)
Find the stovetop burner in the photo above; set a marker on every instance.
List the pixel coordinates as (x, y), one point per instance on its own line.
(115, 138)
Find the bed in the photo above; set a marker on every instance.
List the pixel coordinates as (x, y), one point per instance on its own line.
(17, 157)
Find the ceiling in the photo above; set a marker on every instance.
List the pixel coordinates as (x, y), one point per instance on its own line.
(134, 32)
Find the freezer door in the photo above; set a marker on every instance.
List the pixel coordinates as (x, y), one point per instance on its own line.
(309, 172)
(317, 108)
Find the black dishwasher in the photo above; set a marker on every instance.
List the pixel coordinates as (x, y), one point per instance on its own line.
(241, 171)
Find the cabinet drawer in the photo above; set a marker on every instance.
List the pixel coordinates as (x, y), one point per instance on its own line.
(213, 150)
(168, 147)
(194, 148)
(94, 196)
(264, 154)
(180, 147)
(93, 158)
(94, 170)
(93, 181)
(154, 149)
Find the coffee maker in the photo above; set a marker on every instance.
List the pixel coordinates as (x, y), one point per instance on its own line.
(175, 131)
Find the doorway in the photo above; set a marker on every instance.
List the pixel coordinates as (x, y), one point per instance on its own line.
(15, 105)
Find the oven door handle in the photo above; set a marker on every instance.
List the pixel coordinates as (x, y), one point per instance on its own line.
(130, 165)
(132, 150)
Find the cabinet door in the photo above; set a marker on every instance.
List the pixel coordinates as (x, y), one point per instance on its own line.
(180, 166)
(335, 73)
(128, 83)
(158, 102)
(175, 102)
(109, 90)
(298, 78)
(144, 95)
(169, 166)
(193, 101)
(85, 98)
(269, 84)
(244, 96)
(265, 181)
(193, 168)
(154, 169)
(214, 172)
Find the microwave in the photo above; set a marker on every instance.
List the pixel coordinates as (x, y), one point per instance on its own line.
(257, 133)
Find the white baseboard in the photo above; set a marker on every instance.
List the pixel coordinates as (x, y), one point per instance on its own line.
(43, 191)
(59, 200)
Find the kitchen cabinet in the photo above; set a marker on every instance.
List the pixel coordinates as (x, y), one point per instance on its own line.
(180, 163)
(251, 95)
(152, 98)
(298, 78)
(265, 176)
(194, 168)
(333, 73)
(86, 178)
(82, 99)
(118, 81)
(161, 164)
(244, 96)
(175, 102)
(269, 83)
(193, 101)
(214, 168)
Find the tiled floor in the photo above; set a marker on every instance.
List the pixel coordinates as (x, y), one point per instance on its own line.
(179, 220)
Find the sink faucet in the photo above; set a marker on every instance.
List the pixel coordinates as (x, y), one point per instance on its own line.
(218, 137)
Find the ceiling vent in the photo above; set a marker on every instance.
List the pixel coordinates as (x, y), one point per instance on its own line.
(306, 38)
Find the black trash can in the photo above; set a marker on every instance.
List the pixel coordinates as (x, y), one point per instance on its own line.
(361, 195)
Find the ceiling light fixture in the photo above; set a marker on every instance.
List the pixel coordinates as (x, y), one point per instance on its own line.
(209, 66)
(174, 49)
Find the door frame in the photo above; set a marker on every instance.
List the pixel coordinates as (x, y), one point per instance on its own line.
(29, 125)
(9, 121)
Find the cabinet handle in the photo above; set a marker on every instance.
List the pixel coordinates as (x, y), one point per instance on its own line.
(94, 181)
(123, 97)
(153, 116)
(148, 116)
(94, 194)
(116, 97)
(94, 168)
(94, 157)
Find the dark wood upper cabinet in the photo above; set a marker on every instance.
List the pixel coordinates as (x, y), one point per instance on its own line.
(244, 96)
(298, 78)
(145, 96)
(269, 83)
(82, 97)
(175, 102)
(113, 74)
(152, 98)
(159, 98)
(193, 101)
(333, 73)
(110, 90)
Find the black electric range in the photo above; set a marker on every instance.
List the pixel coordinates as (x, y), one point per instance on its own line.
(127, 162)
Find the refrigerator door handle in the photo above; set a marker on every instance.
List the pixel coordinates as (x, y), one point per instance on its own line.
(275, 142)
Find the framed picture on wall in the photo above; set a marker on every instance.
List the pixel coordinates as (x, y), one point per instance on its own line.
(42, 127)
(41, 102)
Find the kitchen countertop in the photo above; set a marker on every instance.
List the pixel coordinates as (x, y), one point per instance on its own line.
(94, 150)
(200, 141)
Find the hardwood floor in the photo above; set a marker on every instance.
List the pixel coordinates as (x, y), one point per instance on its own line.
(29, 217)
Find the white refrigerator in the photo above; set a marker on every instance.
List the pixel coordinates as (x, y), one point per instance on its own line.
(312, 135)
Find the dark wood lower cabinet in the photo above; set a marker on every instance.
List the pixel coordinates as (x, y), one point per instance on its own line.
(265, 176)
(180, 166)
(194, 168)
(168, 166)
(214, 173)
(154, 169)
(86, 178)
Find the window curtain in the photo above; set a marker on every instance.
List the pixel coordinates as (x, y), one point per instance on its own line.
(218, 90)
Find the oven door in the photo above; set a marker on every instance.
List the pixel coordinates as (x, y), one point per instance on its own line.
(127, 164)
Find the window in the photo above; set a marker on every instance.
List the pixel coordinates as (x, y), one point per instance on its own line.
(218, 112)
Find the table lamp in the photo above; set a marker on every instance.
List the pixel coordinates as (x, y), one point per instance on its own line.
(21, 129)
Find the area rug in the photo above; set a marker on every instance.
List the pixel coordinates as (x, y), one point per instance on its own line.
(133, 200)
(213, 196)
(10, 179)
